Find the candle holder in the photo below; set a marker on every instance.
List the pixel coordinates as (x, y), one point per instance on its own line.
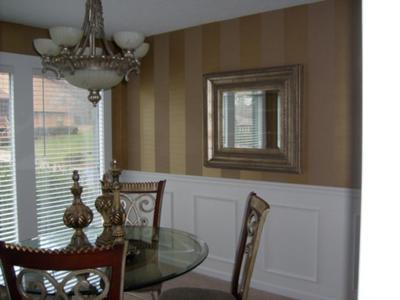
(104, 205)
(77, 216)
(117, 212)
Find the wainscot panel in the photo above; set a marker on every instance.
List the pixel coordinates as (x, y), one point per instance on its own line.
(308, 250)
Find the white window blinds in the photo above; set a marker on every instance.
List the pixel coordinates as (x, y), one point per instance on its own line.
(8, 206)
(244, 119)
(68, 136)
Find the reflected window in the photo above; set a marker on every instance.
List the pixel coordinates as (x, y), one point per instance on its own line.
(250, 119)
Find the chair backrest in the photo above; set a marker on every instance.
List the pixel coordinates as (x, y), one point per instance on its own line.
(246, 253)
(40, 265)
(142, 201)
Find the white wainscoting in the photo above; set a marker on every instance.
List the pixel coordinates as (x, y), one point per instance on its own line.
(308, 250)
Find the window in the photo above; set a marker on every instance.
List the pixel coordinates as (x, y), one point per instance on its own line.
(47, 129)
(8, 228)
(63, 145)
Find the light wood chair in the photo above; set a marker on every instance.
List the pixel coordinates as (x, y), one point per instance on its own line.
(38, 267)
(253, 222)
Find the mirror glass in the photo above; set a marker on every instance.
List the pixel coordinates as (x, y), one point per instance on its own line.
(250, 119)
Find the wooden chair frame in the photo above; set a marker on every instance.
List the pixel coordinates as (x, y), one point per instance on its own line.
(253, 222)
(70, 260)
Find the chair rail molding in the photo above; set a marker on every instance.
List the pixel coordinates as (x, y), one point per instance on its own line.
(309, 248)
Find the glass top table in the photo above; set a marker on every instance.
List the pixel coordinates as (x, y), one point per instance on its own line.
(154, 254)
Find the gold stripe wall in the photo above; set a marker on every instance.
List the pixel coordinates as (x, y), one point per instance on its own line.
(177, 103)
(324, 37)
(16, 38)
(211, 63)
(194, 100)
(147, 115)
(161, 90)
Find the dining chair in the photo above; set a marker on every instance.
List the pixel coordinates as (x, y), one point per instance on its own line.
(29, 271)
(142, 202)
(253, 222)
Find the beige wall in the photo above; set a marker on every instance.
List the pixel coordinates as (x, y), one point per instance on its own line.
(158, 116)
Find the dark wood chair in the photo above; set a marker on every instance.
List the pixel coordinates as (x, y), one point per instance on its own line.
(253, 222)
(142, 202)
(40, 265)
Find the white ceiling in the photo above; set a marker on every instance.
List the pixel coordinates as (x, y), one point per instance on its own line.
(147, 16)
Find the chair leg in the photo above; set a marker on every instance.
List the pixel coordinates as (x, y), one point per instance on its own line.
(156, 294)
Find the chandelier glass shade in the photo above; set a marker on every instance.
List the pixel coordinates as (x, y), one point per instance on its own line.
(84, 56)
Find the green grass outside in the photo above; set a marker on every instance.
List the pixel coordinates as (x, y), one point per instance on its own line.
(64, 147)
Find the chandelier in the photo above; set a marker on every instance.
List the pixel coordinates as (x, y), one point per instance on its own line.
(86, 59)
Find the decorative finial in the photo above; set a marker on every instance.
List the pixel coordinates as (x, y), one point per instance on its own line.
(76, 188)
(77, 216)
(106, 183)
(75, 176)
(104, 205)
(118, 213)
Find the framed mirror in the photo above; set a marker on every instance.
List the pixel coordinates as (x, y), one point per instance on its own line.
(252, 119)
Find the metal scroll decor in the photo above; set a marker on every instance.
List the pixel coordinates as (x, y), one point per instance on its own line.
(76, 281)
(137, 208)
(252, 226)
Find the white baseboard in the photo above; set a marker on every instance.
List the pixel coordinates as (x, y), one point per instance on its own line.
(307, 251)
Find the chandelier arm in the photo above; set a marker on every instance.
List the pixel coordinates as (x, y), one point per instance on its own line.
(80, 47)
(92, 44)
(134, 68)
(107, 46)
(45, 69)
(70, 65)
(98, 12)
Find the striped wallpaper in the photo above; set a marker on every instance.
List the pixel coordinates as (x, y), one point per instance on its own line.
(16, 38)
(157, 116)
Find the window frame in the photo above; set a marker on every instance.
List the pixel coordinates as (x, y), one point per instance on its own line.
(9, 70)
(23, 67)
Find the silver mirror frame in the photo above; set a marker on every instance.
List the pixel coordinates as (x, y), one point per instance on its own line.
(288, 80)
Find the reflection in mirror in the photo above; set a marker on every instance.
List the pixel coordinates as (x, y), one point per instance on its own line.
(250, 119)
